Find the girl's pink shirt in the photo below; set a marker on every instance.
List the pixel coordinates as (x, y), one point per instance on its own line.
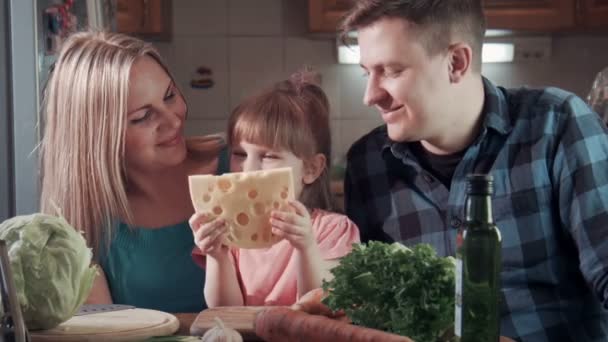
(269, 276)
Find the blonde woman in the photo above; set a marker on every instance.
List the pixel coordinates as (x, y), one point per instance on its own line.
(115, 163)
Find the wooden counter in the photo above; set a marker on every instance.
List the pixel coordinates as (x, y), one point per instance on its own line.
(185, 321)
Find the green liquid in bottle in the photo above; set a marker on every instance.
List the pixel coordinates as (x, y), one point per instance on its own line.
(478, 263)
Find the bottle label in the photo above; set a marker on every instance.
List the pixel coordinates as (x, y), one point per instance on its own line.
(458, 299)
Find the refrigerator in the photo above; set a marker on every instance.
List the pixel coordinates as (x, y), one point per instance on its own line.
(31, 32)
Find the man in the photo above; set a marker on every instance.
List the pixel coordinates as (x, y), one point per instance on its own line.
(547, 151)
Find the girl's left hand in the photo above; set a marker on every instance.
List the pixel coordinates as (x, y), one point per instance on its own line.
(295, 227)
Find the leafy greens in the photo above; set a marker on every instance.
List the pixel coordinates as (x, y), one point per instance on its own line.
(393, 288)
(51, 267)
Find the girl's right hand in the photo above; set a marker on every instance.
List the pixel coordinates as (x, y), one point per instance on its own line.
(208, 234)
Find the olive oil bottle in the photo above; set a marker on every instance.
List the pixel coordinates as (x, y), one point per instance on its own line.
(478, 263)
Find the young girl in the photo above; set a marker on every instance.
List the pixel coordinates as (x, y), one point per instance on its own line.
(285, 126)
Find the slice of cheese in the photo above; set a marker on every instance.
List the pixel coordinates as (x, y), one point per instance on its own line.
(244, 200)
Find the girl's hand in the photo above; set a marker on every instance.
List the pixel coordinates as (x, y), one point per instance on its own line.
(296, 226)
(208, 234)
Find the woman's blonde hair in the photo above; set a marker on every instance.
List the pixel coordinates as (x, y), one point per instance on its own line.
(292, 115)
(83, 145)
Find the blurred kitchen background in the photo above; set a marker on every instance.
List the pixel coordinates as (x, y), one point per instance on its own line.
(223, 50)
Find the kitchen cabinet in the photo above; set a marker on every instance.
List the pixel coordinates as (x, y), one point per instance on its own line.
(519, 15)
(594, 13)
(150, 19)
(530, 15)
(326, 15)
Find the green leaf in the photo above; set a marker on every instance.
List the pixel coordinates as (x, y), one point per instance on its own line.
(407, 291)
(51, 266)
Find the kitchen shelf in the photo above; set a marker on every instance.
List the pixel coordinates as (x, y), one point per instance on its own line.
(538, 16)
(149, 19)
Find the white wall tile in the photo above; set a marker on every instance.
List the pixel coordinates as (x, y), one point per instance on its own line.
(256, 53)
(295, 17)
(319, 55)
(255, 63)
(165, 49)
(331, 87)
(191, 53)
(352, 88)
(255, 17)
(200, 17)
(316, 53)
(336, 139)
(572, 66)
(352, 130)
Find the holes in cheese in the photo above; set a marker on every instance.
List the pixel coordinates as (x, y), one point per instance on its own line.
(244, 200)
(242, 219)
(224, 184)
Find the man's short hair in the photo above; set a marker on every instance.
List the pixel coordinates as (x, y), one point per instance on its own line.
(438, 21)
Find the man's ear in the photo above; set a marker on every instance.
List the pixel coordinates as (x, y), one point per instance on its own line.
(460, 59)
(313, 167)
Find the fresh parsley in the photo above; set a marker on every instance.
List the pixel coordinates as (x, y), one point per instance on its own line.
(393, 288)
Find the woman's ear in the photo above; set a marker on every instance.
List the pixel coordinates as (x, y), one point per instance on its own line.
(460, 60)
(313, 167)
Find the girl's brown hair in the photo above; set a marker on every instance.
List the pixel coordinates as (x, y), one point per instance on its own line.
(292, 115)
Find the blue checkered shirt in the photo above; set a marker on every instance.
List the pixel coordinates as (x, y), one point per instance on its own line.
(548, 153)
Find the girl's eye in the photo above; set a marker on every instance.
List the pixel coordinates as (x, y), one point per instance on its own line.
(237, 154)
(142, 118)
(271, 156)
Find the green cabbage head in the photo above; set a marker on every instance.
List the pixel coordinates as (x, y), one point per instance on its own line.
(51, 267)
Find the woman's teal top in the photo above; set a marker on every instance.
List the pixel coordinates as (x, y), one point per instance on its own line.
(153, 268)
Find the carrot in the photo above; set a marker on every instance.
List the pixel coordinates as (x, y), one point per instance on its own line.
(284, 324)
(311, 302)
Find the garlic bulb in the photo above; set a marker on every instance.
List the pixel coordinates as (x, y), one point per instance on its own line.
(221, 333)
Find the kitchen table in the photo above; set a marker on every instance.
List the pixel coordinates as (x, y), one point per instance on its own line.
(185, 321)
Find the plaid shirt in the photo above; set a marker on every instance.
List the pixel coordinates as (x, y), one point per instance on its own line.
(548, 153)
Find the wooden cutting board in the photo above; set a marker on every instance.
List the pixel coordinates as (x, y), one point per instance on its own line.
(123, 325)
(239, 318)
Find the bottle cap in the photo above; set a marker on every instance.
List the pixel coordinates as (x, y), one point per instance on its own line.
(480, 184)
